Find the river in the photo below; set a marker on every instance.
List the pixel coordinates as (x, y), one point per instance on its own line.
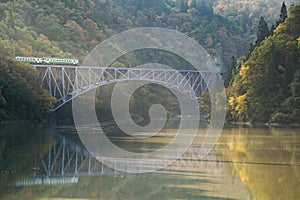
(42, 162)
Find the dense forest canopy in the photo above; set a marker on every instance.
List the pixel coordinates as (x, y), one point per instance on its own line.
(265, 87)
(20, 96)
(64, 27)
(72, 28)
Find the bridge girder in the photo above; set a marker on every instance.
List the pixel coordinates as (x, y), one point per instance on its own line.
(68, 82)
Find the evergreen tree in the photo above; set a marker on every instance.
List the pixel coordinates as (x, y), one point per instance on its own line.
(205, 8)
(263, 31)
(183, 6)
(283, 14)
(293, 22)
(194, 4)
(230, 71)
(267, 86)
(295, 85)
(249, 51)
(272, 29)
(10, 18)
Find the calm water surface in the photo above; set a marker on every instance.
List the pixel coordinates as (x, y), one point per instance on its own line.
(38, 162)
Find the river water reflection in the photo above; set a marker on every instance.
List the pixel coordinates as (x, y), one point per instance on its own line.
(38, 162)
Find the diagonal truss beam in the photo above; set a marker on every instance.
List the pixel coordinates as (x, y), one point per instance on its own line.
(67, 82)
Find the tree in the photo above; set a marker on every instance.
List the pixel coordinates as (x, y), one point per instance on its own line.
(183, 6)
(20, 98)
(263, 31)
(230, 71)
(266, 87)
(273, 27)
(10, 18)
(293, 22)
(249, 51)
(204, 8)
(194, 4)
(283, 14)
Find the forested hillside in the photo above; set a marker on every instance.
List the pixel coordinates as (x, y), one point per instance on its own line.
(64, 27)
(246, 13)
(72, 28)
(266, 87)
(20, 96)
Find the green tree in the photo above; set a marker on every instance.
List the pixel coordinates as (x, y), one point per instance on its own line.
(266, 86)
(263, 31)
(183, 5)
(20, 97)
(230, 71)
(10, 18)
(194, 4)
(293, 22)
(283, 14)
(249, 51)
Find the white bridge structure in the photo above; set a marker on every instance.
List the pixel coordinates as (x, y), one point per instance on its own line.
(68, 82)
(66, 160)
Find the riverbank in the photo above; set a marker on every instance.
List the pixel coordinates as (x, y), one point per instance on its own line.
(250, 124)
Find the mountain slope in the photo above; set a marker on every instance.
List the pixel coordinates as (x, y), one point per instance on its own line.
(266, 86)
(64, 27)
(20, 96)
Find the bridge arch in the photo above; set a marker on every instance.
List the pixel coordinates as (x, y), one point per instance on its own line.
(65, 83)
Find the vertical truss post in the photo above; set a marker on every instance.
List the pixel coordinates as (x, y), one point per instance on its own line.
(63, 83)
(90, 78)
(49, 81)
(102, 74)
(76, 80)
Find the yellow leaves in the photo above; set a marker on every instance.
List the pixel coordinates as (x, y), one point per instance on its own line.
(24, 48)
(243, 71)
(238, 105)
(241, 98)
(241, 106)
(42, 36)
(75, 28)
(44, 39)
(7, 48)
(281, 28)
(298, 39)
(231, 100)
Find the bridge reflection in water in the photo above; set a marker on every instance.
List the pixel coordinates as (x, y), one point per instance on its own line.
(67, 160)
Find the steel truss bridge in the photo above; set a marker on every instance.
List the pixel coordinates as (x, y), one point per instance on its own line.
(68, 82)
(67, 160)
